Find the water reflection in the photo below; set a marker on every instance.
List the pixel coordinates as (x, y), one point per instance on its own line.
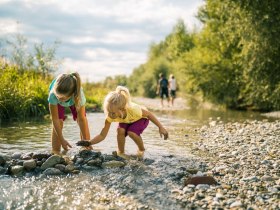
(88, 190)
(33, 136)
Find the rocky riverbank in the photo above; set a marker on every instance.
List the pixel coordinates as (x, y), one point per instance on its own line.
(32, 164)
(241, 159)
(244, 159)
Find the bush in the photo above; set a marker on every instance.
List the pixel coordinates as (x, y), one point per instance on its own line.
(22, 94)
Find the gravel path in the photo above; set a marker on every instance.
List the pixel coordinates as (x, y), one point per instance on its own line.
(154, 103)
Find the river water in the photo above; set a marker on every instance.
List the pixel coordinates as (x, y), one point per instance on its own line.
(136, 186)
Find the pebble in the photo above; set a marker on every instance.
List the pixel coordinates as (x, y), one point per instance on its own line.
(244, 160)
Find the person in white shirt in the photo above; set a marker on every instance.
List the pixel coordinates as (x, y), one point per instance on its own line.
(172, 88)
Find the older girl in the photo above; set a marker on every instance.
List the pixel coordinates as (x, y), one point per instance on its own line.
(66, 91)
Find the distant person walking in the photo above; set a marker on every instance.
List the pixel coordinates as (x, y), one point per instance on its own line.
(162, 88)
(172, 88)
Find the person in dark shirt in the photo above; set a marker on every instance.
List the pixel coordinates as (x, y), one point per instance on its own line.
(162, 88)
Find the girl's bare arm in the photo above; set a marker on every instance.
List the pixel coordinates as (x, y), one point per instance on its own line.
(152, 117)
(55, 121)
(83, 123)
(100, 137)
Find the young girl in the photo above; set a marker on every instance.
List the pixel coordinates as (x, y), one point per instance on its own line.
(66, 91)
(132, 118)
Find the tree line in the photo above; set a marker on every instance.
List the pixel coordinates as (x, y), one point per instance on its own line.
(233, 60)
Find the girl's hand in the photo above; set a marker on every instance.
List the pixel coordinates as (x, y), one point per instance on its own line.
(163, 131)
(65, 144)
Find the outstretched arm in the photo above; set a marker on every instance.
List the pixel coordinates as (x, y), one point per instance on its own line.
(100, 137)
(57, 127)
(150, 116)
(83, 123)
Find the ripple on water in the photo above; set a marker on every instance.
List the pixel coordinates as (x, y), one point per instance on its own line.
(97, 190)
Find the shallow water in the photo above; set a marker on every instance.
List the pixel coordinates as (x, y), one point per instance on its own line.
(145, 186)
(34, 136)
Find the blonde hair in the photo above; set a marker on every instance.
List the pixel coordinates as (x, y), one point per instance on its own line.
(68, 85)
(120, 98)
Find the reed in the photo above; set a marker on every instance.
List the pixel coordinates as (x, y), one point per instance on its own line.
(23, 94)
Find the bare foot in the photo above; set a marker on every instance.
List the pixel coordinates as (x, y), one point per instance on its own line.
(140, 154)
(54, 152)
(123, 155)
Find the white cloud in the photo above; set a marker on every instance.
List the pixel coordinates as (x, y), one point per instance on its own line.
(101, 63)
(114, 37)
(98, 38)
(8, 26)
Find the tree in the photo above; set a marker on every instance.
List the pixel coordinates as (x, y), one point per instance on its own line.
(41, 59)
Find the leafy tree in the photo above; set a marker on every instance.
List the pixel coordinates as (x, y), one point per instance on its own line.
(162, 59)
(234, 61)
(41, 59)
(45, 59)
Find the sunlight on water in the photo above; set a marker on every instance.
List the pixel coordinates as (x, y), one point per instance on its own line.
(87, 190)
(34, 136)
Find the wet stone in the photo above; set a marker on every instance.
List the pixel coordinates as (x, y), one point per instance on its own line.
(95, 162)
(16, 170)
(16, 155)
(29, 164)
(52, 161)
(2, 161)
(41, 155)
(52, 171)
(113, 164)
(69, 168)
(2, 170)
(89, 153)
(196, 180)
(60, 167)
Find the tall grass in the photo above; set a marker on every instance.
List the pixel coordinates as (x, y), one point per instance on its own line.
(22, 94)
(95, 94)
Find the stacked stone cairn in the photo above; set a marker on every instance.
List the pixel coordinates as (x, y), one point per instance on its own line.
(29, 164)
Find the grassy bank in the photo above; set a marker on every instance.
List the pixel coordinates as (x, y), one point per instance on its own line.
(23, 94)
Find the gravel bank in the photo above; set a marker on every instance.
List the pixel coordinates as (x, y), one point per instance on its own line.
(244, 159)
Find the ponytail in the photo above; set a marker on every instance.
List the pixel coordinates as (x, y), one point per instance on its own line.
(125, 92)
(77, 91)
(119, 98)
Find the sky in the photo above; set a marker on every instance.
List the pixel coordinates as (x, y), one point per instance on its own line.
(98, 38)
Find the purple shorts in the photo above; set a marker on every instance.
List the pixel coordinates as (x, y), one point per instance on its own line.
(61, 111)
(136, 127)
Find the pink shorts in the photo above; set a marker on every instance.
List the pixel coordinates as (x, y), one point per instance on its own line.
(61, 111)
(136, 127)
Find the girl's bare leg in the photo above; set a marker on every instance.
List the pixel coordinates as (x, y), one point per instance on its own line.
(137, 139)
(121, 139)
(56, 145)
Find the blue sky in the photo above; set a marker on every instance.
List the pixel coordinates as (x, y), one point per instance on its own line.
(97, 38)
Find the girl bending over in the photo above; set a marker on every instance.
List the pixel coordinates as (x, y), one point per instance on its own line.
(132, 119)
